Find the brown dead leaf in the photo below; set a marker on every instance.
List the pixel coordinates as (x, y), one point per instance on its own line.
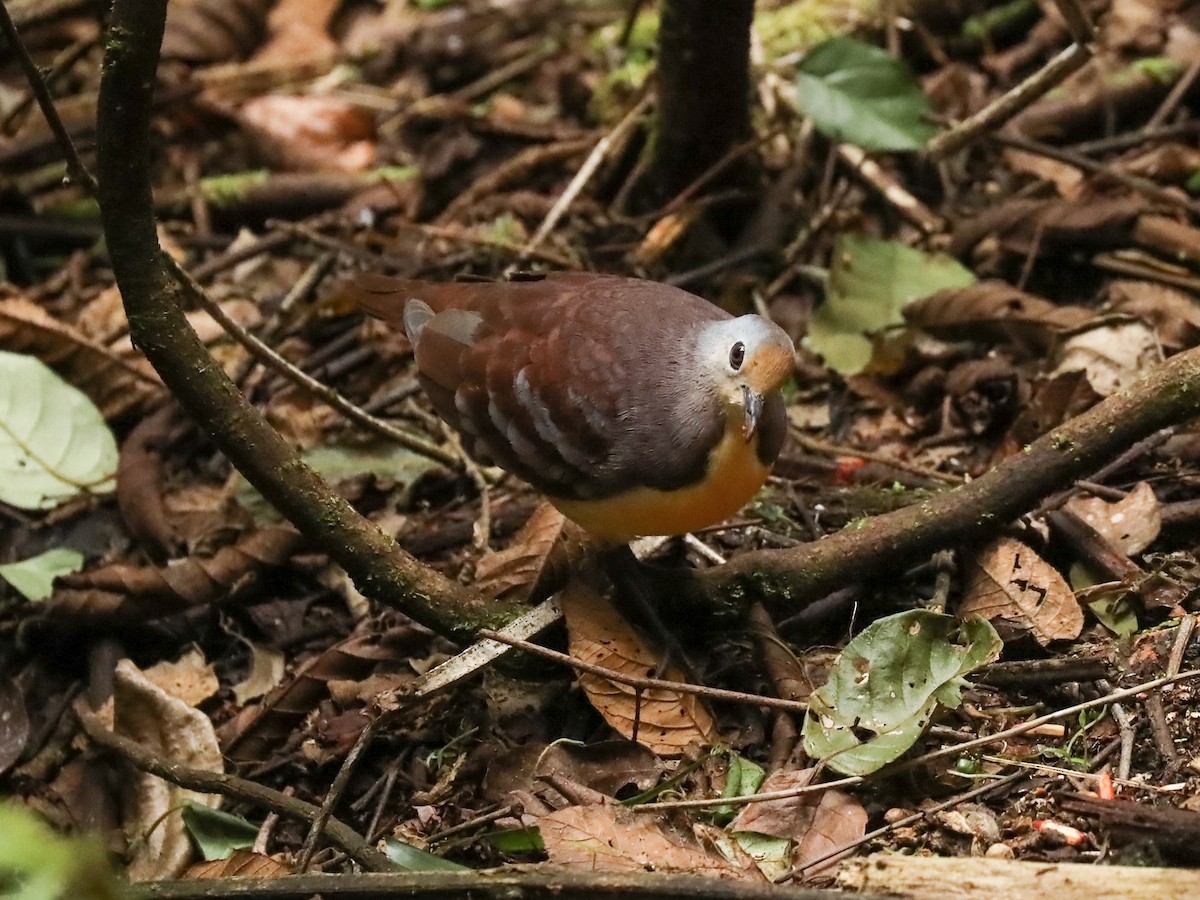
(664, 721)
(1023, 226)
(609, 838)
(540, 555)
(996, 310)
(1131, 523)
(1173, 313)
(154, 592)
(239, 864)
(190, 678)
(817, 822)
(210, 31)
(1112, 356)
(1020, 592)
(300, 132)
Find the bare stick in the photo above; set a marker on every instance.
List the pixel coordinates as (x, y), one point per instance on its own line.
(37, 84)
(1004, 108)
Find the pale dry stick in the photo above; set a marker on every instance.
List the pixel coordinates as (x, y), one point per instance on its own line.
(890, 189)
(644, 684)
(1092, 777)
(1005, 107)
(457, 234)
(924, 758)
(37, 84)
(1175, 97)
(1125, 724)
(1187, 627)
(582, 177)
(271, 358)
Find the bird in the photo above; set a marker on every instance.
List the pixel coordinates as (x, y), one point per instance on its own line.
(636, 408)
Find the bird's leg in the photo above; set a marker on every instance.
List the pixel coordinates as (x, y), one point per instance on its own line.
(632, 586)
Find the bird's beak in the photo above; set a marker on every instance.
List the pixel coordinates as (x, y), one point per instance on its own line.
(752, 405)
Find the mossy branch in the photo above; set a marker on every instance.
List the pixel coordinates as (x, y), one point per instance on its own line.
(380, 569)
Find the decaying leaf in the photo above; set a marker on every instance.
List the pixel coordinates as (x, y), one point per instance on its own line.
(239, 864)
(1112, 356)
(1174, 314)
(1015, 588)
(995, 310)
(175, 732)
(537, 558)
(816, 822)
(887, 684)
(664, 721)
(609, 838)
(1131, 523)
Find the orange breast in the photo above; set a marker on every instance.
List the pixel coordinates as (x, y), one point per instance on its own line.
(735, 473)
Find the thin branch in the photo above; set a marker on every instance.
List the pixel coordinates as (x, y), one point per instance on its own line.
(153, 306)
(271, 358)
(37, 84)
(924, 758)
(1005, 107)
(635, 681)
(341, 834)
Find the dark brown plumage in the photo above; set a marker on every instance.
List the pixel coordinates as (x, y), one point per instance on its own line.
(590, 386)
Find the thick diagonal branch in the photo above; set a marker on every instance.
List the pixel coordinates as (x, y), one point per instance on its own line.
(379, 568)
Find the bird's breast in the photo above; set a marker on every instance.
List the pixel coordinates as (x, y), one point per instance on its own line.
(733, 475)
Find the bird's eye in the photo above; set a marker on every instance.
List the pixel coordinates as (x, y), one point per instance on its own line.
(737, 355)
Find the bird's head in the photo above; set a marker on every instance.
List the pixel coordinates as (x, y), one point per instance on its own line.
(748, 359)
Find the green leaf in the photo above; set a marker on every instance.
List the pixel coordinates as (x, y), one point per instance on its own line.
(406, 856)
(53, 441)
(741, 779)
(887, 683)
(516, 840)
(870, 283)
(38, 864)
(217, 834)
(860, 94)
(34, 577)
(772, 855)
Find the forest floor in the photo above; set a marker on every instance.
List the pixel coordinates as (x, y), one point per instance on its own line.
(154, 609)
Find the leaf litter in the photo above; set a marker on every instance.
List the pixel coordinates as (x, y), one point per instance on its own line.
(1041, 275)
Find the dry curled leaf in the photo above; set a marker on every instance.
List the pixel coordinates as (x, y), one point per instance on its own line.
(258, 730)
(817, 822)
(1173, 313)
(239, 864)
(153, 591)
(174, 732)
(998, 311)
(663, 720)
(1131, 523)
(537, 559)
(1112, 356)
(1019, 592)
